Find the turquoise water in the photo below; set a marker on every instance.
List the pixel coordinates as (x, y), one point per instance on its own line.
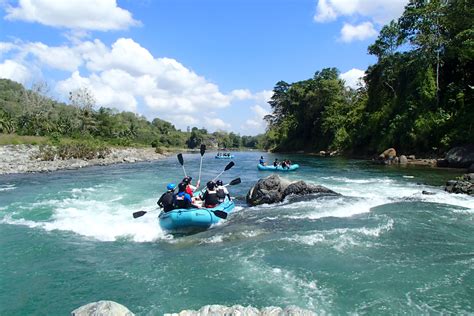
(68, 238)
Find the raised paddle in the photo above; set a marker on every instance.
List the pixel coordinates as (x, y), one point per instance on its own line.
(229, 165)
(181, 162)
(202, 150)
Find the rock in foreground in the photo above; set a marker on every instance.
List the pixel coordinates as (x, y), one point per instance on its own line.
(220, 310)
(273, 189)
(102, 308)
(464, 185)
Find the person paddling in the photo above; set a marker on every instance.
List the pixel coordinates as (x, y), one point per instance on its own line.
(182, 199)
(210, 195)
(275, 163)
(262, 161)
(166, 201)
(222, 191)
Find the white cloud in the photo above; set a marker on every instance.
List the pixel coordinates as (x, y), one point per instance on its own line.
(359, 32)
(62, 57)
(241, 94)
(380, 11)
(256, 124)
(103, 15)
(13, 70)
(216, 123)
(353, 77)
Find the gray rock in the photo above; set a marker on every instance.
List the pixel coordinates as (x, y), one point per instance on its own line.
(465, 186)
(403, 160)
(102, 308)
(273, 189)
(220, 310)
(461, 157)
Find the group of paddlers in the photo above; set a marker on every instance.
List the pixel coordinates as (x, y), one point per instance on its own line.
(219, 154)
(214, 194)
(284, 163)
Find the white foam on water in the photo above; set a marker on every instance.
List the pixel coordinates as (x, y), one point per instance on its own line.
(102, 220)
(7, 187)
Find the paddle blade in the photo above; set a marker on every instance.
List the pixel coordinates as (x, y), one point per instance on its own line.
(235, 181)
(203, 149)
(180, 159)
(220, 214)
(229, 165)
(139, 214)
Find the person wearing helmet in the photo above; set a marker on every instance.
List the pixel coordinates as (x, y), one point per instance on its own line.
(166, 201)
(209, 197)
(182, 199)
(222, 191)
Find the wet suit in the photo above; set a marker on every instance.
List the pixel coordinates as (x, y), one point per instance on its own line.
(166, 201)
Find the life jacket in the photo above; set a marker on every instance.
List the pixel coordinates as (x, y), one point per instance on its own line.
(167, 201)
(221, 195)
(182, 200)
(210, 199)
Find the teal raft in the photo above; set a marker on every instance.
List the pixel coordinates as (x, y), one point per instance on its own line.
(278, 168)
(193, 220)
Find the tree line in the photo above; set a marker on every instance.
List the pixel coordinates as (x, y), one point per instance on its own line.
(417, 97)
(31, 112)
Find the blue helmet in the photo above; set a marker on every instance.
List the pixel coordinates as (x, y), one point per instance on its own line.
(171, 186)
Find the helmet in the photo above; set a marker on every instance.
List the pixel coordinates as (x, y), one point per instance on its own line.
(219, 182)
(211, 185)
(171, 186)
(187, 179)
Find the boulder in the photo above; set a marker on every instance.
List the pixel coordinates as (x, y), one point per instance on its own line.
(465, 185)
(220, 310)
(273, 189)
(388, 154)
(102, 308)
(403, 160)
(461, 157)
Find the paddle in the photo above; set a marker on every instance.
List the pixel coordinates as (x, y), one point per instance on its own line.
(234, 182)
(229, 165)
(141, 213)
(202, 150)
(181, 162)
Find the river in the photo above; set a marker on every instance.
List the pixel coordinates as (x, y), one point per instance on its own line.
(68, 238)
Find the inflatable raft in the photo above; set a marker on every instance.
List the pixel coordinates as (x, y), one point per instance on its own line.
(278, 168)
(224, 157)
(193, 220)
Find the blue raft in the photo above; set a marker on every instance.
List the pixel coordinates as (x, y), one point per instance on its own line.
(224, 157)
(278, 168)
(193, 220)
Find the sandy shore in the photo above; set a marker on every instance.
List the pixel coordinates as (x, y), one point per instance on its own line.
(21, 159)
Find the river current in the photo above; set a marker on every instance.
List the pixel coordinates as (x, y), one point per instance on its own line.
(68, 238)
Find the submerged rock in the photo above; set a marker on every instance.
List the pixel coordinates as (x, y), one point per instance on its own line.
(102, 308)
(273, 189)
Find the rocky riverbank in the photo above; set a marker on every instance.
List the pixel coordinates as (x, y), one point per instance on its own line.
(23, 159)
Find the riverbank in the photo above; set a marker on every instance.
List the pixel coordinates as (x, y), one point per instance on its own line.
(23, 159)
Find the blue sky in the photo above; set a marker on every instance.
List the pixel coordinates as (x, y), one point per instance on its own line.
(204, 63)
